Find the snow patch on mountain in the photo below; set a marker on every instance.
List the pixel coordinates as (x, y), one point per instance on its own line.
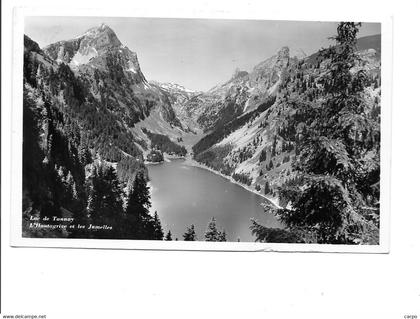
(83, 58)
(176, 87)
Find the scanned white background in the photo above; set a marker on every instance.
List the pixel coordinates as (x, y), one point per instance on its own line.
(22, 15)
(70, 283)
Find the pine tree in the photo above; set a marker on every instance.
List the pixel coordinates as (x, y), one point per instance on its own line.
(222, 236)
(138, 220)
(190, 234)
(157, 227)
(263, 156)
(84, 154)
(168, 236)
(338, 161)
(266, 188)
(211, 234)
(105, 202)
(71, 186)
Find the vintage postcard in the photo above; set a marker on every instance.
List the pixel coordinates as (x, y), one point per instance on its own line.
(201, 134)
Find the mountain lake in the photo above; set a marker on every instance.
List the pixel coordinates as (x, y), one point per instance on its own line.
(183, 194)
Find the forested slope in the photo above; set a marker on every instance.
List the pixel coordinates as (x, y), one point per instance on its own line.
(71, 146)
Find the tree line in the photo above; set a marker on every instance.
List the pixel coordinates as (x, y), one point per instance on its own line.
(164, 144)
(212, 233)
(69, 138)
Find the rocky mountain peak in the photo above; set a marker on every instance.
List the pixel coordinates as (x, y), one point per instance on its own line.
(169, 86)
(284, 52)
(30, 45)
(98, 48)
(283, 56)
(90, 44)
(239, 73)
(100, 37)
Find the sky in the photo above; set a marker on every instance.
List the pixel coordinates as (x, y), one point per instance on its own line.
(196, 53)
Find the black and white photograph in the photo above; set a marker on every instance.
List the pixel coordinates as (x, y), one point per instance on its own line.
(209, 159)
(209, 130)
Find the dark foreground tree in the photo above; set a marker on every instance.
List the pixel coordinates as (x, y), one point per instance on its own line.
(105, 202)
(190, 234)
(222, 236)
(168, 236)
(157, 228)
(139, 224)
(212, 233)
(336, 199)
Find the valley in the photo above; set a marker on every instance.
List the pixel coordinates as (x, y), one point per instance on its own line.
(92, 115)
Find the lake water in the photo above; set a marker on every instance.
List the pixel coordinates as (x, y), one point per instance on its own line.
(185, 195)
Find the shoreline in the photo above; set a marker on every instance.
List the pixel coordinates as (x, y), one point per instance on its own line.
(166, 159)
(191, 162)
(153, 163)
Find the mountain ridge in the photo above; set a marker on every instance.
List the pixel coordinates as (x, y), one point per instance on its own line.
(253, 147)
(114, 75)
(246, 108)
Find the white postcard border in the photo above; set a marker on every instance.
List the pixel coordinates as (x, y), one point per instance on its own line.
(16, 239)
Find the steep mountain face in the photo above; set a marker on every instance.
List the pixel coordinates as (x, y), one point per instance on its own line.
(95, 49)
(112, 73)
(67, 132)
(241, 94)
(252, 146)
(60, 93)
(82, 155)
(178, 96)
(267, 76)
(236, 128)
